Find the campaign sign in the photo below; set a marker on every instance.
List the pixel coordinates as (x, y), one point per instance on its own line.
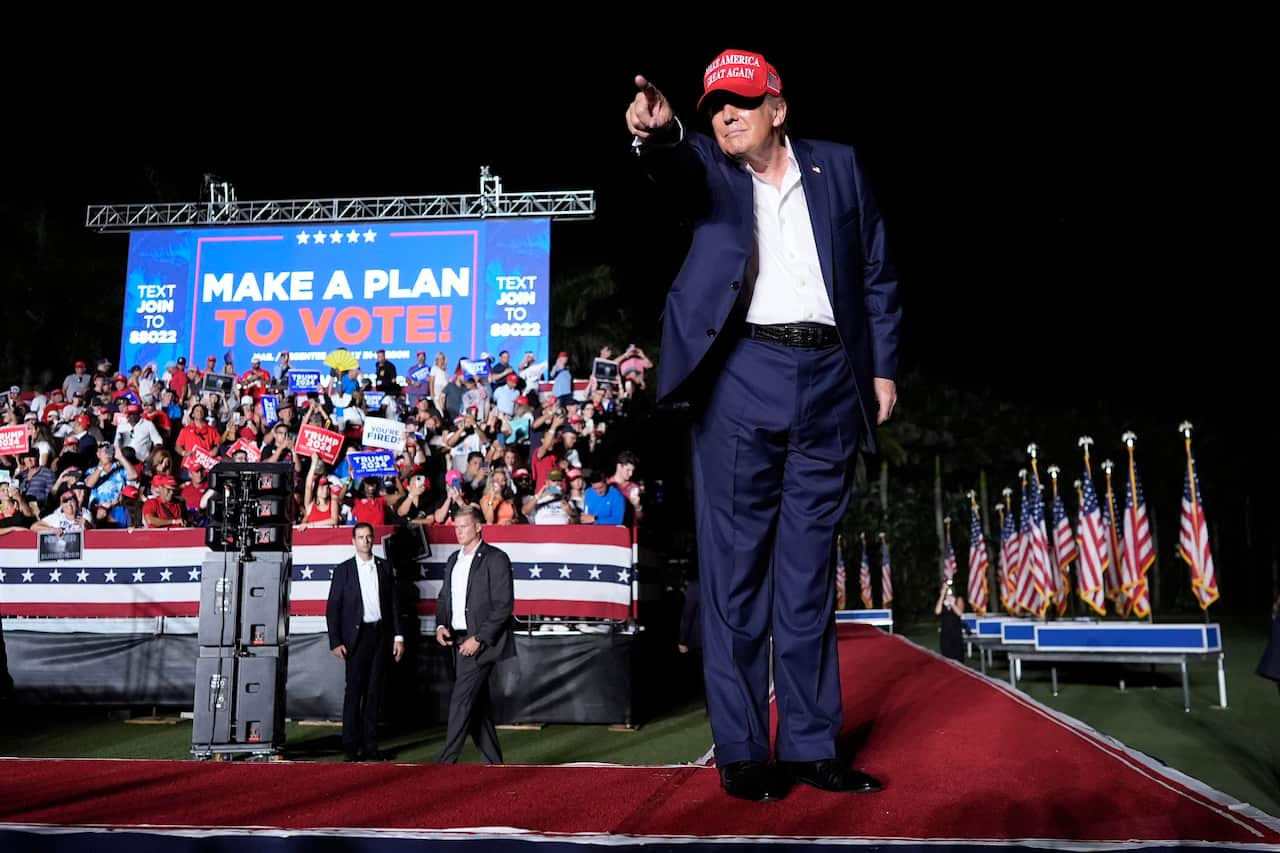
(13, 440)
(418, 375)
(459, 287)
(131, 397)
(217, 383)
(251, 451)
(270, 408)
(372, 463)
(302, 381)
(202, 457)
(605, 371)
(54, 547)
(381, 432)
(373, 400)
(474, 368)
(314, 441)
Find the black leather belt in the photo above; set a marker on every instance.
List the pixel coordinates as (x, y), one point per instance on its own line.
(803, 335)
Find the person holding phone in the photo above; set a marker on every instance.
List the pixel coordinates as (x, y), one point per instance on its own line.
(951, 632)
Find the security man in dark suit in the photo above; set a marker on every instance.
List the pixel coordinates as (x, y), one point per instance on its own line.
(363, 615)
(473, 616)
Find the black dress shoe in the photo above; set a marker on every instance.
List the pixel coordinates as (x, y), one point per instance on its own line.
(753, 780)
(830, 775)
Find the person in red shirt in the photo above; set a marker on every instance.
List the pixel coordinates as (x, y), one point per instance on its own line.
(163, 510)
(372, 507)
(192, 495)
(255, 380)
(178, 379)
(198, 433)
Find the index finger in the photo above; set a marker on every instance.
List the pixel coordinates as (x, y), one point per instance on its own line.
(650, 91)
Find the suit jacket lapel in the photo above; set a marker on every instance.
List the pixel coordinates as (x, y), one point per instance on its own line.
(813, 177)
(471, 576)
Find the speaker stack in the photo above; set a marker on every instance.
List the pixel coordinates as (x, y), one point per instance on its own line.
(244, 612)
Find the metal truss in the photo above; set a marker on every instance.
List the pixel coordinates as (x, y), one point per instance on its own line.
(222, 208)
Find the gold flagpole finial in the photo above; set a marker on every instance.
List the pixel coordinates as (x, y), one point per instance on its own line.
(1185, 429)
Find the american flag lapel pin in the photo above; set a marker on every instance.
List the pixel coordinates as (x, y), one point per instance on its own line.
(817, 170)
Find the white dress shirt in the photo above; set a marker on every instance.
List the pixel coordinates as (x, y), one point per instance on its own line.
(367, 572)
(458, 588)
(788, 285)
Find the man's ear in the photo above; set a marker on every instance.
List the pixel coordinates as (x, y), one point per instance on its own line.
(780, 112)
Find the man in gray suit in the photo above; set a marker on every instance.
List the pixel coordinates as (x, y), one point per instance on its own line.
(473, 616)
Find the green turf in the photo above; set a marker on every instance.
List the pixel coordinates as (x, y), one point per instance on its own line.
(1236, 750)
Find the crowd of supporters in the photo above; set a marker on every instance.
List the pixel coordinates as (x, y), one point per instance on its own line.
(525, 445)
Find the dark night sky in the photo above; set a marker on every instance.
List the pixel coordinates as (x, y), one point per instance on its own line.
(1073, 205)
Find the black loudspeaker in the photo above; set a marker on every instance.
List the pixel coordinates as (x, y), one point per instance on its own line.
(240, 700)
(264, 599)
(220, 583)
(251, 506)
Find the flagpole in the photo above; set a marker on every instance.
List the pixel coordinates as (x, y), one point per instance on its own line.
(1107, 466)
(1185, 429)
(1129, 438)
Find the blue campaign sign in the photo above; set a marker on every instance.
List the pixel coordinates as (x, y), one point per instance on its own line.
(270, 409)
(419, 374)
(302, 381)
(372, 463)
(373, 400)
(459, 287)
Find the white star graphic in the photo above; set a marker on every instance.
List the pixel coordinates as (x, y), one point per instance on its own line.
(1, 575)
(303, 237)
(353, 236)
(624, 575)
(26, 576)
(165, 575)
(137, 576)
(318, 237)
(330, 574)
(566, 572)
(82, 576)
(595, 573)
(335, 237)
(111, 576)
(193, 574)
(55, 576)
(535, 572)
(306, 573)
(369, 235)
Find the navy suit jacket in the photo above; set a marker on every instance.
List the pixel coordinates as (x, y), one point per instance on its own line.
(716, 197)
(345, 610)
(489, 602)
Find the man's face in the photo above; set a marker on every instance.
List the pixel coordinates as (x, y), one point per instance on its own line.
(70, 504)
(473, 466)
(165, 493)
(627, 470)
(601, 488)
(382, 357)
(744, 127)
(467, 531)
(363, 540)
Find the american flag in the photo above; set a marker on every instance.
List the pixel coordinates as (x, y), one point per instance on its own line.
(949, 553)
(1138, 553)
(864, 578)
(1093, 548)
(886, 579)
(1034, 548)
(1193, 539)
(1115, 545)
(1064, 549)
(1008, 554)
(841, 600)
(978, 564)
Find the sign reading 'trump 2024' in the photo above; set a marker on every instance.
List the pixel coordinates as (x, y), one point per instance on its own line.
(457, 287)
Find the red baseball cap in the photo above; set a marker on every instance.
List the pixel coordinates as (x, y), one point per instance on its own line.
(512, 379)
(79, 364)
(163, 480)
(129, 491)
(740, 72)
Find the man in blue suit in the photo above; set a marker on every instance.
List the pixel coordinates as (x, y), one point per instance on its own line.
(363, 617)
(781, 333)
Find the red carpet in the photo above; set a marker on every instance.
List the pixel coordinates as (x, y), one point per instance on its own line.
(1033, 778)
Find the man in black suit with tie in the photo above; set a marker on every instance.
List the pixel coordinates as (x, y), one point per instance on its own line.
(474, 617)
(364, 625)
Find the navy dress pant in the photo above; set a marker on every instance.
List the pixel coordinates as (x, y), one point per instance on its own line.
(773, 453)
